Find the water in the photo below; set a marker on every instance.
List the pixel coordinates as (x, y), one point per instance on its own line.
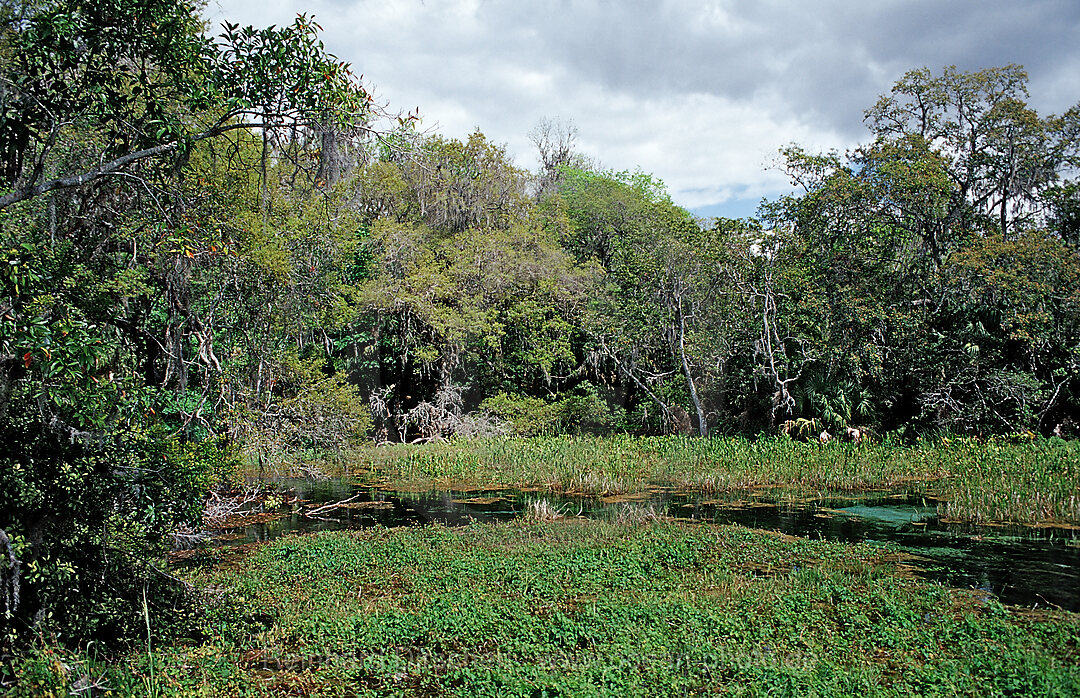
(1037, 567)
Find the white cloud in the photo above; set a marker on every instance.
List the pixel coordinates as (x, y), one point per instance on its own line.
(701, 94)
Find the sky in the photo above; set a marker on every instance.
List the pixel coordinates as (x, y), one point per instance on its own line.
(700, 93)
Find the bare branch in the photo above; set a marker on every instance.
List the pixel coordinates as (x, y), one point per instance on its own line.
(115, 166)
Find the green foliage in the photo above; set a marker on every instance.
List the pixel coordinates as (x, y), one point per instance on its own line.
(204, 253)
(313, 414)
(494, 307)
(96, 88)
(127, 67)
(1007, 336)
(459, 186)
(1064, 202)
(147, 321)
(528, 416)
(584, 410)
(917, 271)
(83, 518)
(996, 151)
(284, 75)
(836, 404)
(593, 608)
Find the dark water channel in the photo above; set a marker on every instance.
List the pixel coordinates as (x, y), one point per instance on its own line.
(1020, 565)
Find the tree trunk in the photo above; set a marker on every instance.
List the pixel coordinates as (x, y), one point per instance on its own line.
(703, 424)
(669, 415)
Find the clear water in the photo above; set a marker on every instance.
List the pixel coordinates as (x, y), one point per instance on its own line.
(1037, 567)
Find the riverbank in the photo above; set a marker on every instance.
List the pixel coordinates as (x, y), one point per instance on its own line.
(1033, 482)
(620, 605)
(580, 608)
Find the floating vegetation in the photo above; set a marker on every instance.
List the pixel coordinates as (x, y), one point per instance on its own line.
(996, 480)
(598, 608)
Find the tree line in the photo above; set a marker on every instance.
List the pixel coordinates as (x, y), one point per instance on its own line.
(225, 246)
(925, 282)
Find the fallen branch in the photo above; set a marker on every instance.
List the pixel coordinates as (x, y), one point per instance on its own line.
(328, 507)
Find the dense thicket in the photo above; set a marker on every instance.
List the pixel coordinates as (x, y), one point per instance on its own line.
(214, 247)
(172, 257)
(926, 282)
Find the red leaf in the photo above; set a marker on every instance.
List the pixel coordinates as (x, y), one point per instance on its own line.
(27, 359)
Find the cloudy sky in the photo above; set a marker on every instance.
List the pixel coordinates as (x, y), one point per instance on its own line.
(700, 93)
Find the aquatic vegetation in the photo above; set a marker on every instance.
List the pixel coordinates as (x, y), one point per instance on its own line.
(631, 513)
(577, 607)
(543, 510)
(996, 480)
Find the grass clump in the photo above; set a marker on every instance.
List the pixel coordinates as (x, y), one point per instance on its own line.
(594, 608)
(543, 510)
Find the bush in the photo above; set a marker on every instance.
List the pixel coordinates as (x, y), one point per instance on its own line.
(527, 416)
(88, 521)
(581, 411)
(313, 414)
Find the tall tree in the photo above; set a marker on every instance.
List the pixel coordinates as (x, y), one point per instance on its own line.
(120, 250)
(875, 241)
(999, 155)
(140, 76)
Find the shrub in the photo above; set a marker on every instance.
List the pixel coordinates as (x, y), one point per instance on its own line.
(581, 411)
(88, 521)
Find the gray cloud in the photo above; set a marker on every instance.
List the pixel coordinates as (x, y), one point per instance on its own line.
(701, 93)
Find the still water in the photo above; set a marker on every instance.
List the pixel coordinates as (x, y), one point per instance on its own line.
(1037, 567)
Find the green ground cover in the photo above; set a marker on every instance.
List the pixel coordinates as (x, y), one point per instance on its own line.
(1035, 481)
(630, 606)
(579, 608)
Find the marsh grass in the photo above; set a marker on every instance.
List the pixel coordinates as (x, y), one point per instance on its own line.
(595, 608)
(543, 510)
(604, 465)
(996, 480)
(632, 514)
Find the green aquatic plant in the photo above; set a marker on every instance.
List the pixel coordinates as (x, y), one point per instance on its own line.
(577, 607)
(978, 480)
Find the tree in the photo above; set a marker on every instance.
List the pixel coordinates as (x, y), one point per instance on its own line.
(1010, 335)
(464, 292)
(960, 170)
(133, 185)
(671, 317)
(554, 141)
(493, 309)
(999, 155)
(142, 78)
(465, 185)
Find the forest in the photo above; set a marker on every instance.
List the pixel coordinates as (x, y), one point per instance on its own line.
(221, 251)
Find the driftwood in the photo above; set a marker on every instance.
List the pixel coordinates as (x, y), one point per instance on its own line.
(327, 507)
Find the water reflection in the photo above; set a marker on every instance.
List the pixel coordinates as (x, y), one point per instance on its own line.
(1025, 566)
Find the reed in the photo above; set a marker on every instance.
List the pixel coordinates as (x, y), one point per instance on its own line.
(979, 480)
